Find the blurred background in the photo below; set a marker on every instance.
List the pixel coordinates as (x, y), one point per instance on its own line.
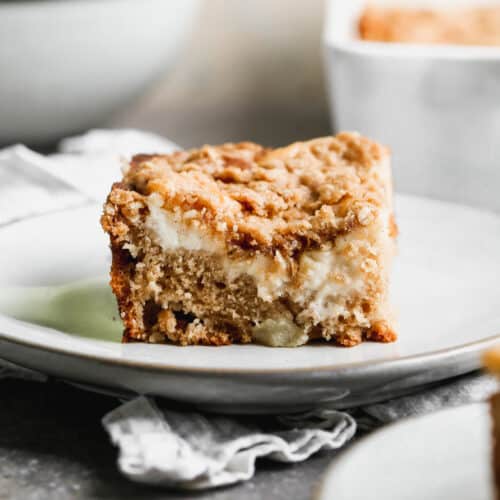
(195, 71)
(212, 71)
(248, 73)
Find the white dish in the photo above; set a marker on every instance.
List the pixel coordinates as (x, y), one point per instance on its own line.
(442, 455)
(446, 287)
(65, 66)
(437, 106)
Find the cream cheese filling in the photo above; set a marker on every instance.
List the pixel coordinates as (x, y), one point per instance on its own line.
(321, 284)
(172, 231)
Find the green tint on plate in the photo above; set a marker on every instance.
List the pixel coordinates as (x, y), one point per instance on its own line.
(86, 308)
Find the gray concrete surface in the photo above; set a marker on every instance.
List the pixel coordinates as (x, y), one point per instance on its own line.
(52, 447)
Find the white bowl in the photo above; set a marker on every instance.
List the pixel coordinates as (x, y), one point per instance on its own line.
(66, 65)
(436, 106)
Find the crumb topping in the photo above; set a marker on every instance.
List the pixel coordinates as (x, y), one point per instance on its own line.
(465, 26)
(254, 198)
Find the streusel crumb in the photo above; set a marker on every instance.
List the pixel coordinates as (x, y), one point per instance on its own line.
(286, 199)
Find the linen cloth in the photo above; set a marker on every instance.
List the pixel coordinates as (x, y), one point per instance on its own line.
(162, 445)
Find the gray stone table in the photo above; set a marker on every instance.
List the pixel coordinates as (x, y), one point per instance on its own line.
(52, 447)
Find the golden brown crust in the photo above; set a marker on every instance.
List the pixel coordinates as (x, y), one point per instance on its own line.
(254, 198)
(472, 26)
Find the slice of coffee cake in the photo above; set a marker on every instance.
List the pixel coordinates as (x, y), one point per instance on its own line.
(239, 243)
(491, 361)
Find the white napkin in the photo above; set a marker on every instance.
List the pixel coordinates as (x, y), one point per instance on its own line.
(28, 186)
(82, 172)
(193, 451)
(159, 445)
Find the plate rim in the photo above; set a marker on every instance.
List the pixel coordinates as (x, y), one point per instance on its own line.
(370, 366)
(320, 492)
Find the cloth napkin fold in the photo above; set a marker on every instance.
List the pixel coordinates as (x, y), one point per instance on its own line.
(195, 451)
(83, 171)
(159, 444)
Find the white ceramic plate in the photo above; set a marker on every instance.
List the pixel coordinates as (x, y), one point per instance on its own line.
(446, 287)
(444, 455)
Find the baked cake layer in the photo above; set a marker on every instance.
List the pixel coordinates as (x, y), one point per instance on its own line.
(239, 243)
(495, 418)
(463, 26)
(491, 361)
